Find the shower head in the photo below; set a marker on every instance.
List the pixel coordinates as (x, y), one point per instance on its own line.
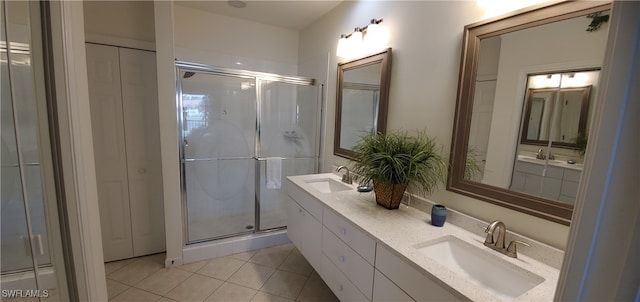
(188, 74)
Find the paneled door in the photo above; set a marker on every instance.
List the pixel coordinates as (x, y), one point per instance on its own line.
(124, 116)
(142, 138)
(107, 123)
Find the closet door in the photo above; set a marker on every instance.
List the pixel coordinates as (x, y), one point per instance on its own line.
(142, 138)
(107, 123)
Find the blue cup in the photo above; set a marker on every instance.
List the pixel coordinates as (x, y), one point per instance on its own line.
(438, 215)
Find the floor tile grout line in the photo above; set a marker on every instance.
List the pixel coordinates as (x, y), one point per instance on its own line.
(303, 287)
(131, 286)
(162, 295)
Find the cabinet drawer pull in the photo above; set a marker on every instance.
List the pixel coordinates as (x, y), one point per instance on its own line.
(342, 259)
(343, 231)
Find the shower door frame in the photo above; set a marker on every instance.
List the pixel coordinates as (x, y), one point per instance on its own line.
(258, 77)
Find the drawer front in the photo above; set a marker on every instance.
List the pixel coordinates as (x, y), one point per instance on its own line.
(358, 270)
(529, 168)
(384, 290)
(410, 280)
(339, 283)
(572, 175)
(554, 172)
(308, 202)
(352, 236)
(569, 188)
(551, 188)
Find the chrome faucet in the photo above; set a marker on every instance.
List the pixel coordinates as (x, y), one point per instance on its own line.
(346, 177)
(541, 155)
(498, 243)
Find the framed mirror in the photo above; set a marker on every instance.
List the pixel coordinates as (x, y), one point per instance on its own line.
(525, 96)
(362, 100)
(555, 115)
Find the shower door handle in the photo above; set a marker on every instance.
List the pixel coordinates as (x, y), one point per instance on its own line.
(38, 242)
(186, 143)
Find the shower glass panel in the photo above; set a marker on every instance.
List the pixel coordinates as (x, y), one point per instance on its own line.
(218, 129)
(29, 224)
(288, 121)
(242, 133)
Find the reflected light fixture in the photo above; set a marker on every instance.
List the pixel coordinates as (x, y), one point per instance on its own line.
(366, 39)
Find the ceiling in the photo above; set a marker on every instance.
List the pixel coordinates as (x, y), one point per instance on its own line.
(295, 15)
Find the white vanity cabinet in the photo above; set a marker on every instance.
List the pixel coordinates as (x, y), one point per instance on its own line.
(345, 245)
(384, 290)
(354, 265)
(408, 279)
(305, 231)
(558, 183)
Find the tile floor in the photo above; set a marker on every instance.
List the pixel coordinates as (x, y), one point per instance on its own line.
(277, 273)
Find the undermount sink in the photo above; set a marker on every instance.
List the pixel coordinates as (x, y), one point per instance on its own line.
(328, 185)
(503, 279)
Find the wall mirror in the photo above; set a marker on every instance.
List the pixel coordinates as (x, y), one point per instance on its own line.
(362, 100)
(525, 101)
(556, 115)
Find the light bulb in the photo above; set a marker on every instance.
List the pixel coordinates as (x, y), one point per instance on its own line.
(376, 37)
(355, 43)
(343, 47)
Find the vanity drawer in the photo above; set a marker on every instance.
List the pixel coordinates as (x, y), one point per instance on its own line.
(306, 200)
(569, 188)
(529, 168)
(409, 279)
(339, 283)
(352, 236)
(358, 270)
(572, 175)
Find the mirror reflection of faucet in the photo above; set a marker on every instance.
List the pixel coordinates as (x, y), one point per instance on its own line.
(543, 156)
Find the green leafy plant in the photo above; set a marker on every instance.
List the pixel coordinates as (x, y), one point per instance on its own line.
(581, 143)
(471, 166)
(399, 158)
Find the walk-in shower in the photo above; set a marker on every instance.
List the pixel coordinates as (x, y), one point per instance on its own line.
(241, 133)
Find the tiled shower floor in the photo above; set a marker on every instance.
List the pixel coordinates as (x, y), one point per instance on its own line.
(277, 273)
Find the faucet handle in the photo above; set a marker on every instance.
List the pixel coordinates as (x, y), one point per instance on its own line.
(489, 239)
(512, 249)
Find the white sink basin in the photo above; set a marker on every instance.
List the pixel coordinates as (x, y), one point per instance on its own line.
(327, 185)
(503, 279)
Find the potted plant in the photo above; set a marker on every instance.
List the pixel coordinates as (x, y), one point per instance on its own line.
(396, 160)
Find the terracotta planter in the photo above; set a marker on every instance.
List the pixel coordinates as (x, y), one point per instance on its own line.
(388, 194)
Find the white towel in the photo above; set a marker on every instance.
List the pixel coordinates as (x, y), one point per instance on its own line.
(274, 172)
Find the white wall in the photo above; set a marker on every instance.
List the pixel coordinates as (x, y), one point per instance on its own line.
(528, 51)
(122, 23)
(223, 41)
(426, 38)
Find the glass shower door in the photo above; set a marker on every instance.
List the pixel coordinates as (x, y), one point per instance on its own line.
(31, 246)
(289, 124)
(218, 130)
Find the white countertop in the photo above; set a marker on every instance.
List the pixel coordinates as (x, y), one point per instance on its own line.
(400, 230)
(551, 162)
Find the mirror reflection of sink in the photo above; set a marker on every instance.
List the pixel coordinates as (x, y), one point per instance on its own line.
(553, 162)
(503, 279)
(327, 185)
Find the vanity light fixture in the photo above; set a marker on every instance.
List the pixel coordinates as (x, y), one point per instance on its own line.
(366, 39)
